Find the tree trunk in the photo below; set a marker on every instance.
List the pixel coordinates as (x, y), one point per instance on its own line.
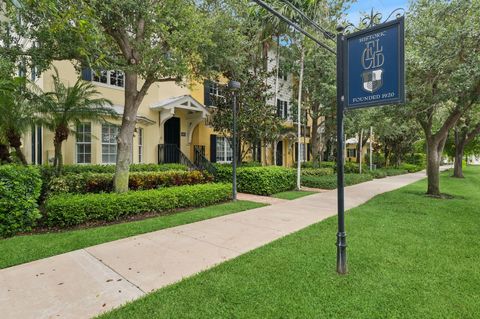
(125, 135)
(15, 141)
(315, 142)
(458, 164)
(434, 156)
(459, 139)
(58, 159)
(61, 134)
(4, 154)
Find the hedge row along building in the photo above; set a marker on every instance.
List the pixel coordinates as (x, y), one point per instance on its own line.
(172, 124)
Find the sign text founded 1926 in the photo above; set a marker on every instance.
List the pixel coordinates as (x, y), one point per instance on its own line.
(374, 60)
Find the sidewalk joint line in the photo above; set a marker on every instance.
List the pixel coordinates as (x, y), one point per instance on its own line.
(123, 277)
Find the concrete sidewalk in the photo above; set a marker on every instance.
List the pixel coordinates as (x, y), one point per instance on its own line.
(87, 282)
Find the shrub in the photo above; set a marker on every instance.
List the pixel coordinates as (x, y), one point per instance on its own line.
(98, 183)
(411, 168)
(48, 172)
(330, 181)
(263, 180)
(98, 168)
(19, 193)
(317, 171)
(417, 159)
(323, 164)
(351, 167)
(74, 209)
(378, 173)
(395, 171)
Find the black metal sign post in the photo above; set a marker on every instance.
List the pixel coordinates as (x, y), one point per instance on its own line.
(341, 234)
(370, 72)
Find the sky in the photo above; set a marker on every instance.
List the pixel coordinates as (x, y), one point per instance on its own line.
(385, 7)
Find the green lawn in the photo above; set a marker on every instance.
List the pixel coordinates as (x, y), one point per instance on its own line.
(290, 195)
(410, 256)
(23, 249)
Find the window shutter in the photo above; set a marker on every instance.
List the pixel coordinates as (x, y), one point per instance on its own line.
(309, 150)
(207, 99)
(86, 74)
(285, 109)
(279, 108)
(213, 148)
(296, 152)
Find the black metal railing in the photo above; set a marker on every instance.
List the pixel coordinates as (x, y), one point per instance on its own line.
(201, 162)
(170, 153)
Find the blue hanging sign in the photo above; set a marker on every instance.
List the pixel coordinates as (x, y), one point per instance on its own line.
(375, 66)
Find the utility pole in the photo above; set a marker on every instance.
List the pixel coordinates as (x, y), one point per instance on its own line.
(299, 124)
(235, 86)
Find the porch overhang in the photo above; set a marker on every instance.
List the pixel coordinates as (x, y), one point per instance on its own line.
(197, 112)
(140, 118)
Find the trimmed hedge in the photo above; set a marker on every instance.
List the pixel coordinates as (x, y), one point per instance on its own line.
(98, 183)
(330, 181)
(48, 170)
(322, 164)
(19, 192)
(317, 171)
(350, 167)
(263, 180)
(74, 209)
(378, 173)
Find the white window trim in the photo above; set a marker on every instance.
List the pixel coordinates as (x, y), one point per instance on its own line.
(103, 143)
(108, 85)
(303, 152)
(84, 143)
(226, 147)
(141, 141)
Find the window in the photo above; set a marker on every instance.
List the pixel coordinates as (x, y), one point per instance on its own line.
(215, 89)
(140, 145)
(282, 74)
(216, 93)
(303, 148)
(114, 78)
(109, 143)
(282, 109)
(37, 148)
(84, 143)
(224, 150)
(351, 152)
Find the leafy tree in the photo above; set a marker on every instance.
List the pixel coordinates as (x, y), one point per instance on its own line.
(17, 114)
(257, 120)
(443, 75)
(466, 131)
(151, 41)
(67, 105)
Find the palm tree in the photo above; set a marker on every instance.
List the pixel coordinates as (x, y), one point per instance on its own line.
(67, 105)
(16, 115)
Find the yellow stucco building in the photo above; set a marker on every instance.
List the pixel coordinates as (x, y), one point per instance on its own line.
(170, 117)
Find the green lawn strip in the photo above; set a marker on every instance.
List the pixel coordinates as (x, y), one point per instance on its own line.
(21, 249)
(289, 195)
(409, 256)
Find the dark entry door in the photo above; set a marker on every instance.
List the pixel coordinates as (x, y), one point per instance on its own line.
(280, 153)
(172, 140)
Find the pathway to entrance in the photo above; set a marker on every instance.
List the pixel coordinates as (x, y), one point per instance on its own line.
(86, 282)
